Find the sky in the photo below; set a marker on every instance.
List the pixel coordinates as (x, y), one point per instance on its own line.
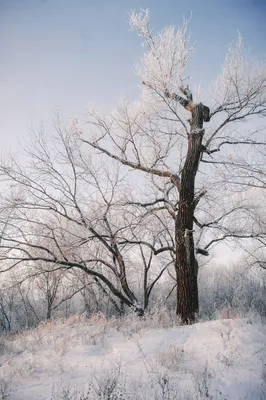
(66, 54)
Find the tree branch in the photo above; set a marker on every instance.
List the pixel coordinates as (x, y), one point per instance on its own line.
(165, 174)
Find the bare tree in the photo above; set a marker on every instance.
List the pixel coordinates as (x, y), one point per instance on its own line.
(64, 211)
(157, 136)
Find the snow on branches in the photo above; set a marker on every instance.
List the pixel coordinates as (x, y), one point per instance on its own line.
(241, 87)
(166, 55)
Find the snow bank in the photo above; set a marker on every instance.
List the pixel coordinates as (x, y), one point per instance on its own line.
(99, 359)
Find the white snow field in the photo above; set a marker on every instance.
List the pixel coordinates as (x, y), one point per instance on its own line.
(131, 358)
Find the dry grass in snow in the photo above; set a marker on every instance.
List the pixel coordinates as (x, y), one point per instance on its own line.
(151, 358)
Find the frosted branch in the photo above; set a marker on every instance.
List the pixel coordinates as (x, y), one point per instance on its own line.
(166, 55)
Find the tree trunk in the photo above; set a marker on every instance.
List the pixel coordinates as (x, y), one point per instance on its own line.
(186, 263)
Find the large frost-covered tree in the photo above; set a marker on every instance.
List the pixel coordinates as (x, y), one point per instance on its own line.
(73, 207)
(175, 139)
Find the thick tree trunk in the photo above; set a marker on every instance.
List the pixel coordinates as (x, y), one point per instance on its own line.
(186, 263)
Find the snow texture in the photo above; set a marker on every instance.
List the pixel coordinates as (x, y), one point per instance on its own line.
(223, 359)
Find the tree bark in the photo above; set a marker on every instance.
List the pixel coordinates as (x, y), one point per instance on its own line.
(186, 265)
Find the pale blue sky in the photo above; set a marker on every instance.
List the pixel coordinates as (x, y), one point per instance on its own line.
(64, 54)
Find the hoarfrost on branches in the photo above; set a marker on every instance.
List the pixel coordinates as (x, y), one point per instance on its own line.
(242, 82)
(166, 54)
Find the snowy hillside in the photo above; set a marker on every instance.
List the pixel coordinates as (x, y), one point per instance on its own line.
(93, 358)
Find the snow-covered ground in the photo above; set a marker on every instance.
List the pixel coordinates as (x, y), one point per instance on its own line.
(81, 359)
